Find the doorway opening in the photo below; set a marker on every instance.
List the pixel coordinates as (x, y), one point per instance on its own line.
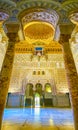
(37, 100)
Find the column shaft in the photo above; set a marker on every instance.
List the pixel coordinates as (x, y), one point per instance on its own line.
(72, 78)
(6, 73)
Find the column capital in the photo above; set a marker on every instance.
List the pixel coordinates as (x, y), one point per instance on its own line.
(12, 27)
(64, 38)
(12, 31)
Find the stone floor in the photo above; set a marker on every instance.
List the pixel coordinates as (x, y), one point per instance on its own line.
(38, 119)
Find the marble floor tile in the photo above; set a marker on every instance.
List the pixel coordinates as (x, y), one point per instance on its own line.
(38, 119)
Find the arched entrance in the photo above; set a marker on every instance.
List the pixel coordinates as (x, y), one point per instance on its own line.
(48, 95)
(38, 88)
(38, 96)
(48, 88)
(28, 97)
(37, 100)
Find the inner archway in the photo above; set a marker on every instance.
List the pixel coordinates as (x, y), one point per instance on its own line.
(48, 95)
(37, 100)
(39, 88)
(38, 97)
(28, 94)
(48, 88)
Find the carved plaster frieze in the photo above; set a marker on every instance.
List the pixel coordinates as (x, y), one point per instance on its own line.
(51, 18)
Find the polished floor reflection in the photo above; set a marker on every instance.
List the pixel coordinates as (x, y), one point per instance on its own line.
(38, 118)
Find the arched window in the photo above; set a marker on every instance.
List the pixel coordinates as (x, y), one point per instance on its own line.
(29, 90)
(34, 72)
(43, 72)
(48, 88)
(39, 88)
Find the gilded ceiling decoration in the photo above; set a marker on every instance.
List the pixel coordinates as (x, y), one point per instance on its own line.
(41, 15)
(18, 8)
(42, 30)
(43, 22)
(52, 9)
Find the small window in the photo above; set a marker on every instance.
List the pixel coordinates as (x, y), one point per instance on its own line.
(39, 51)
(38, 72)
(43, 72)
(34, 72)
(48, 88)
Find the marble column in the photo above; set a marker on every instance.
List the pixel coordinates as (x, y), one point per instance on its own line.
(7, 67)
(72, 76)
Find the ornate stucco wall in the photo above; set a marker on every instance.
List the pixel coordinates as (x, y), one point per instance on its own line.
(29, 68)
(3, 44)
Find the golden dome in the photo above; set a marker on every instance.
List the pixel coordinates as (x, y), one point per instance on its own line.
(39, 30)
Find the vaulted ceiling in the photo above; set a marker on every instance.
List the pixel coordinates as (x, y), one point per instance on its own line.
(17, 9)
(63, 7)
